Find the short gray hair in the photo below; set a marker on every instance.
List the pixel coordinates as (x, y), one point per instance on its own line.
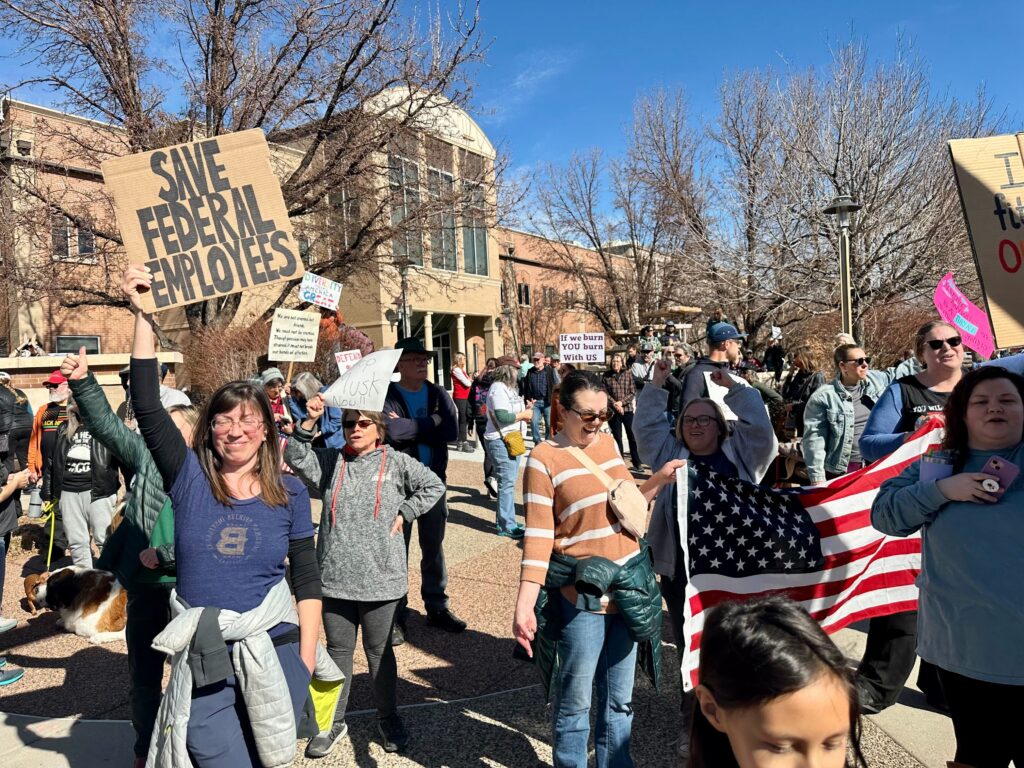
(506, 374)
(306, 385)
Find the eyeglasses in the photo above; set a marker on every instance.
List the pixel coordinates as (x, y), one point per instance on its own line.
(589, 417)
(222, 424)
(700, 421)
(362, 423)
(859, 361)
(953, 341)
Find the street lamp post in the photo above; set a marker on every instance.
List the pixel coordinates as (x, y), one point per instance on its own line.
(842, 206)
(403, 270)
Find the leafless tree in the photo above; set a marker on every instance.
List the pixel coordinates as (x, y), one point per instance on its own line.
(343, 83)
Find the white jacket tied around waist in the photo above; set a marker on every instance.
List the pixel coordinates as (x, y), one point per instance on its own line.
(256, 667)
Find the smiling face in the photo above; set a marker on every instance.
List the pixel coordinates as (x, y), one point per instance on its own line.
(995, 415)
(579, 431)
(237, 435)
(947, 356)
(808, 728)
(701, 439)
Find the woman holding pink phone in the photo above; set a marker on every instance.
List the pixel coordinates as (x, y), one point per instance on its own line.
(971, 617)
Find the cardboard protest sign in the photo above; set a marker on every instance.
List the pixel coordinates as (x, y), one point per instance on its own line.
(207, 218)
(990, 175)
(963, 314)
(347, 359)
(320, 291)
(581, 347)
(365, 385)
(293, 336)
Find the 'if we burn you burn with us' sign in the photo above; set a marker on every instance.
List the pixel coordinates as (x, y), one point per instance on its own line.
(207, 218)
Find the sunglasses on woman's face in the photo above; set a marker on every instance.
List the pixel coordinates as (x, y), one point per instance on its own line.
(351, 423)
(859, 361)
(936, 344)
(589, 417)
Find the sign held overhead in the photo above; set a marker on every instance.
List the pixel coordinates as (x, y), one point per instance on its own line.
(293, 336)
(207, 218)
(364, 386)
(972, 322)
(320, 291)
(581, 347)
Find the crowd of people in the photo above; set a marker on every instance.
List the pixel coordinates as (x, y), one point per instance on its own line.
(217, 508)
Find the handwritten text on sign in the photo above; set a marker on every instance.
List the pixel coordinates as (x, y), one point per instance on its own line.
(990, 175)
(581, 347)
(207, 218)
(970, 320)
(365, 385)
(320, 291)
(293, 336)
(347, 359)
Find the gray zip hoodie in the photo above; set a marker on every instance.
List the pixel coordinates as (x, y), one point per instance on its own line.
(359, 559)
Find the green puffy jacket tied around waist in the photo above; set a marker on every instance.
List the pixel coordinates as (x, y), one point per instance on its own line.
(631, 586)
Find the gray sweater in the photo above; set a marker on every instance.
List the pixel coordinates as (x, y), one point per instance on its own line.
(359, 559)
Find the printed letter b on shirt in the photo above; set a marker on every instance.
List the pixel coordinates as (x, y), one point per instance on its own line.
(232, 541)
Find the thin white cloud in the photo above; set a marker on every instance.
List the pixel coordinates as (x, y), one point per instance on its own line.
(540, 69)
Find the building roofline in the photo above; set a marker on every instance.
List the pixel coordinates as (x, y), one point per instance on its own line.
(49, 111)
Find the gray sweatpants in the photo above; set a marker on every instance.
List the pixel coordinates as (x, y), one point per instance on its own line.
(82, 516)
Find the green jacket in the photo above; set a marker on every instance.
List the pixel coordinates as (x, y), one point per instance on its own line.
(632, 587)
(148, 517)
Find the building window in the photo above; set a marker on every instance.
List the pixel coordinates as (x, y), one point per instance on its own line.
(549, 350)
(86, 242)
(474, 230)
(69, 243)
(71, 344)
(570, 298)
(549, 296)
(405, 198)
(504, 295)
(523, 291)
(528, 350)
(440, 187)
(344, 217)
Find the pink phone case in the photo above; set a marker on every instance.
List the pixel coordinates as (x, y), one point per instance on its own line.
(1003, 470)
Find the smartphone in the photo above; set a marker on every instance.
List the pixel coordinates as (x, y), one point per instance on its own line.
(1001, 469)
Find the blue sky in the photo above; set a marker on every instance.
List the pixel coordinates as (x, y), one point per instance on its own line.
(562, 75)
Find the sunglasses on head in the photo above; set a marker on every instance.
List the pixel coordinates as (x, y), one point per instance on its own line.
(936, 344)
(351, 423)
(859, 361)
(589, 417)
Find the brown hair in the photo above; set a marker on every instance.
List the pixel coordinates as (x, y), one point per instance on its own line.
(268, 462)
(956, 438)
(375, 416)
(923, 331)
(723, 425)
(809, 357)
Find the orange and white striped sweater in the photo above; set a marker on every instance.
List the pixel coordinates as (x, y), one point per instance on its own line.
(567, 507)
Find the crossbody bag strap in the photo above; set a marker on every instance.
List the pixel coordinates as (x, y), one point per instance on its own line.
(590, 464)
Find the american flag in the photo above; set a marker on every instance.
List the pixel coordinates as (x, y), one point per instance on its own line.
(815, 545)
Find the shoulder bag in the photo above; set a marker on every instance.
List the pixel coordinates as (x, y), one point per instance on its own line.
(625, 499)
(514, 443)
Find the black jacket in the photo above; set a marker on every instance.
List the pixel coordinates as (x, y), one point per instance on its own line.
(529, 389)
(407, 431)
(103, 468)
(478, 396)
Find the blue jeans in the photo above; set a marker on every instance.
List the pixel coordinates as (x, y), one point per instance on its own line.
(506, 469)
(594, 648)
(540, 408)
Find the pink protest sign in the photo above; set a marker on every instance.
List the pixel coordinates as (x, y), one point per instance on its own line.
(969, 319)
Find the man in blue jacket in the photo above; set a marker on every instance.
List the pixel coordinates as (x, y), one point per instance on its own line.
(421, 421)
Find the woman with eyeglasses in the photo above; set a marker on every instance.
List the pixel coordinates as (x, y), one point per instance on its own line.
(368, 491)
(744, 449)
(585, 581)
(240, 673)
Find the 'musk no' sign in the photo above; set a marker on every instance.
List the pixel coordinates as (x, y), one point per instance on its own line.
(207, 218)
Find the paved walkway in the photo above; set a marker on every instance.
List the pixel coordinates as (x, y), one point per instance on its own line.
(465, 701)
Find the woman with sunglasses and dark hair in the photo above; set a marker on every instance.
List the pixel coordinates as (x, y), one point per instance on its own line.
(369, 490)
(774, 691)
(573, 537)
(744, 449)
(971, 617)
(238, 640)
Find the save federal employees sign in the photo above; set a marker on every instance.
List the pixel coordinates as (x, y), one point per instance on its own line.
(990, 175)
(207, 218)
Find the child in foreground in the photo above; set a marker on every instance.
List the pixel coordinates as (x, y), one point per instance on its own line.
(774, 692)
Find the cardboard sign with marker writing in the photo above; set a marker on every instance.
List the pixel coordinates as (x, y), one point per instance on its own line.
(364, 386)
(990, 175)
(293, 336)
(320, 291)
(207, 218)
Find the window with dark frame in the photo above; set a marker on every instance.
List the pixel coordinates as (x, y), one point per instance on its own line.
(523, 291)
(405, 198)
(71, 344)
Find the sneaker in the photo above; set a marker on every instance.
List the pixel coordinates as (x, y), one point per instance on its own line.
(7, 624)
(325, 741)
(445, 620)
(468, 447)
(10, 675)
(3, 662)
(515, 533)
(397, 635)
(392, 732)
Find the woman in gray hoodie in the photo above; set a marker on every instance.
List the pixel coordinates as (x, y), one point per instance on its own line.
(368, 490)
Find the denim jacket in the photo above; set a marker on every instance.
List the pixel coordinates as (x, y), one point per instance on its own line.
(828, 424)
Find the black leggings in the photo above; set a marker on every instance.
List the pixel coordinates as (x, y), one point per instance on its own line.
(462, 406)
(986, 718)
(342, 620)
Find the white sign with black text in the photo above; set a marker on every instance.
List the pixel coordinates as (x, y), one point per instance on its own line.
(581, 347)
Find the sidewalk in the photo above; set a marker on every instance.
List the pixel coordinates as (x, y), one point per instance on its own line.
(465, 700)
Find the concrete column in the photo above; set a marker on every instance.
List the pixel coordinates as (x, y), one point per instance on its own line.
(428, 339)
(493, 345)
(460, 336)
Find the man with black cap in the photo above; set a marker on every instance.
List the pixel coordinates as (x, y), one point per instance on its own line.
(670, 337)
(724, 351)
(421, 421)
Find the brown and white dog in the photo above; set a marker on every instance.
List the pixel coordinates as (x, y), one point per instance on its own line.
(91, 602)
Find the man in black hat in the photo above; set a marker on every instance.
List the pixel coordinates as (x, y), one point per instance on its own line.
(421, 421)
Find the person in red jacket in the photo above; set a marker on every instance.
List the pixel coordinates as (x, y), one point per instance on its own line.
(461, 382)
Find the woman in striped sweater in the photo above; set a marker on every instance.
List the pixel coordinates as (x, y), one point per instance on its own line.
(568, 519)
